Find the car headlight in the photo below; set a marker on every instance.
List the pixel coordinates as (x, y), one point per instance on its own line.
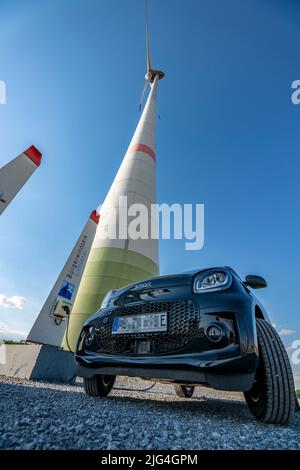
(107, 299)
(212, 281)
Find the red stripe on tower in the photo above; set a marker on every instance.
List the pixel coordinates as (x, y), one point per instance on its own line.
(34, 155)
(95, 216)
(143, 148)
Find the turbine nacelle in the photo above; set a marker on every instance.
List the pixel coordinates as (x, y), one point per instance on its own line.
(151, 74)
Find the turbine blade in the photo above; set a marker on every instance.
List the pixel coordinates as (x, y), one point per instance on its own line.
(143, 94)
(149, 66)
(51, 324)
(15, 174)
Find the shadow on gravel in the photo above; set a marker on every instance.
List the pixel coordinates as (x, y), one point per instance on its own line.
(206, 407)
(147, 403)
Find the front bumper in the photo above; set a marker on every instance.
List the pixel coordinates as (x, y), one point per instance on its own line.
(232, 374)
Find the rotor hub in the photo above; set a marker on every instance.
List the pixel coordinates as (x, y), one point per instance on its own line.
(151, 74)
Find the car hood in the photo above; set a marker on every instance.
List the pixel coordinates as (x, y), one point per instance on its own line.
(169, 280)
(157, 283)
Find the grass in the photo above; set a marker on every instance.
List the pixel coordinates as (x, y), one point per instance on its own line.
(298, 394)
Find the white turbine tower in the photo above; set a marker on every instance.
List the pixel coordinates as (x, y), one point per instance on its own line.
(113, 263)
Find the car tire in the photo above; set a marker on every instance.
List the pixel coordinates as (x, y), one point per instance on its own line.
(184, 391)
(297, 407)
(272, 396)
(99, 385)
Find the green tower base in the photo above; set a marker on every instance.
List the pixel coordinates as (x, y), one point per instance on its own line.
(106, 269)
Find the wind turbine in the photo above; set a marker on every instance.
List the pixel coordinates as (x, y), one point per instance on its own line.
(113, 263)
(14, 175)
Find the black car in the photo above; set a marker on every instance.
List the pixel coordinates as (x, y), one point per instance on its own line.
(199, 328)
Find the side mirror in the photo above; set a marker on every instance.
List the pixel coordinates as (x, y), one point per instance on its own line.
(256, 282)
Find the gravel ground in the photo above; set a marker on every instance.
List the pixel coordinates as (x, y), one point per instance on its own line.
(36, 415)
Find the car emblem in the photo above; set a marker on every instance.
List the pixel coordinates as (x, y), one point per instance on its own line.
(142, 286)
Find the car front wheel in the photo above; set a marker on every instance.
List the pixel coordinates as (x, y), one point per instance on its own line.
(99, 385)
(272, 397)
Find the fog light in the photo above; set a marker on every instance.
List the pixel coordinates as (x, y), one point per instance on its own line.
(215, 333)
(89, 339)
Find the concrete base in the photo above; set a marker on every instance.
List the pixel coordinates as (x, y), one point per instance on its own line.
(38, 362)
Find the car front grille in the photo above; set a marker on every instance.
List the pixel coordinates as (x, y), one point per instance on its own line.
(183, 324)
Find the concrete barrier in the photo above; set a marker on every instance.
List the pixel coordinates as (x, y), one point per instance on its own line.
(38, 362)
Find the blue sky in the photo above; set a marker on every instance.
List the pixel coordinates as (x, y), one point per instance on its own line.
(228, 134)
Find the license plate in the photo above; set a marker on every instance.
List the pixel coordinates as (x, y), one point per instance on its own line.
(140, 323)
